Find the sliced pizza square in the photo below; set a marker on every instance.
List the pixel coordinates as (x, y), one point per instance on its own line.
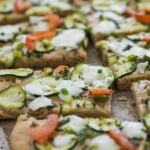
(109, 18)
(128, 57)
(82, 90)
(13, 11)
(74, 132)
(47, 40)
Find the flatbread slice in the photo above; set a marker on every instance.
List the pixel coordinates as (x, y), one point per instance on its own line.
(127, 58)
(74, 132)
(61, 42)
(62, 91)
(103, 24)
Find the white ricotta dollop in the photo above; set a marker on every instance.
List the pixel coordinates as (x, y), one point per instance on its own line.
(91, 75)
(63, 140)
(104, 142)
(40, 102)
(75, 123)
(141, 67)
(74, 88)
(7, 32)
(134, 130)
(69, 38)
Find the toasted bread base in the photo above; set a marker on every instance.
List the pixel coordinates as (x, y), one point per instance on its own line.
(139, 97)
(52, 59)
(125, 82)
(12, 18)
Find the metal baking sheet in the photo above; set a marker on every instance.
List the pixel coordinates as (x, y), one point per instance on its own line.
(122, 104)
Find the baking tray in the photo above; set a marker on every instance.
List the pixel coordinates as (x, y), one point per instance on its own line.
(123, 106)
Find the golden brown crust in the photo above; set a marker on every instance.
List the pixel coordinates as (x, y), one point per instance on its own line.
(20, 139)
(12, 18)
(125, 82)
(52, 59)
(140, 96)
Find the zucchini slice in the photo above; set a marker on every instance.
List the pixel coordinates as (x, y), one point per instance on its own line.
(103, 124)
(43, 86)
(20, 72)
(12, 97)
(77, 20)
(44, 47)
(123, 67)
(76, 104)
(93, 76)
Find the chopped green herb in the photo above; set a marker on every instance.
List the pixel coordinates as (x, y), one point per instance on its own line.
(64, 91)
(99, 71)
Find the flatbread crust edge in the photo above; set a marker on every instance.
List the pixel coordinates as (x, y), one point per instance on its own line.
(19, 137)
(12, 18)
(52, 59)
(138, 96)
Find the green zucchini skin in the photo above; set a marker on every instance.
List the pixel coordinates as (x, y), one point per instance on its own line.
(42, 81)
(12, 98)
(121, 64)
(20, 72)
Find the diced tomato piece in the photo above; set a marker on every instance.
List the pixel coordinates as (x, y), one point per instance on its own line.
(42, 134)
(54, 20)
(20, 5)
(139, 16)
(142, 18)
(100, 91)
(146, 39)
(59, 69)
(35, 37)
(121, 139)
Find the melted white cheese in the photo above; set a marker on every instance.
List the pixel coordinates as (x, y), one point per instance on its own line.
(136, 50)
(7, 32)
(91, 76)
(73, 88)
(40, 102)
(119, 46)
(75, 123)
(104, 142)
(134, 130)
(69, 38)
(104, 27)
(141, 67)
(63, 140)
